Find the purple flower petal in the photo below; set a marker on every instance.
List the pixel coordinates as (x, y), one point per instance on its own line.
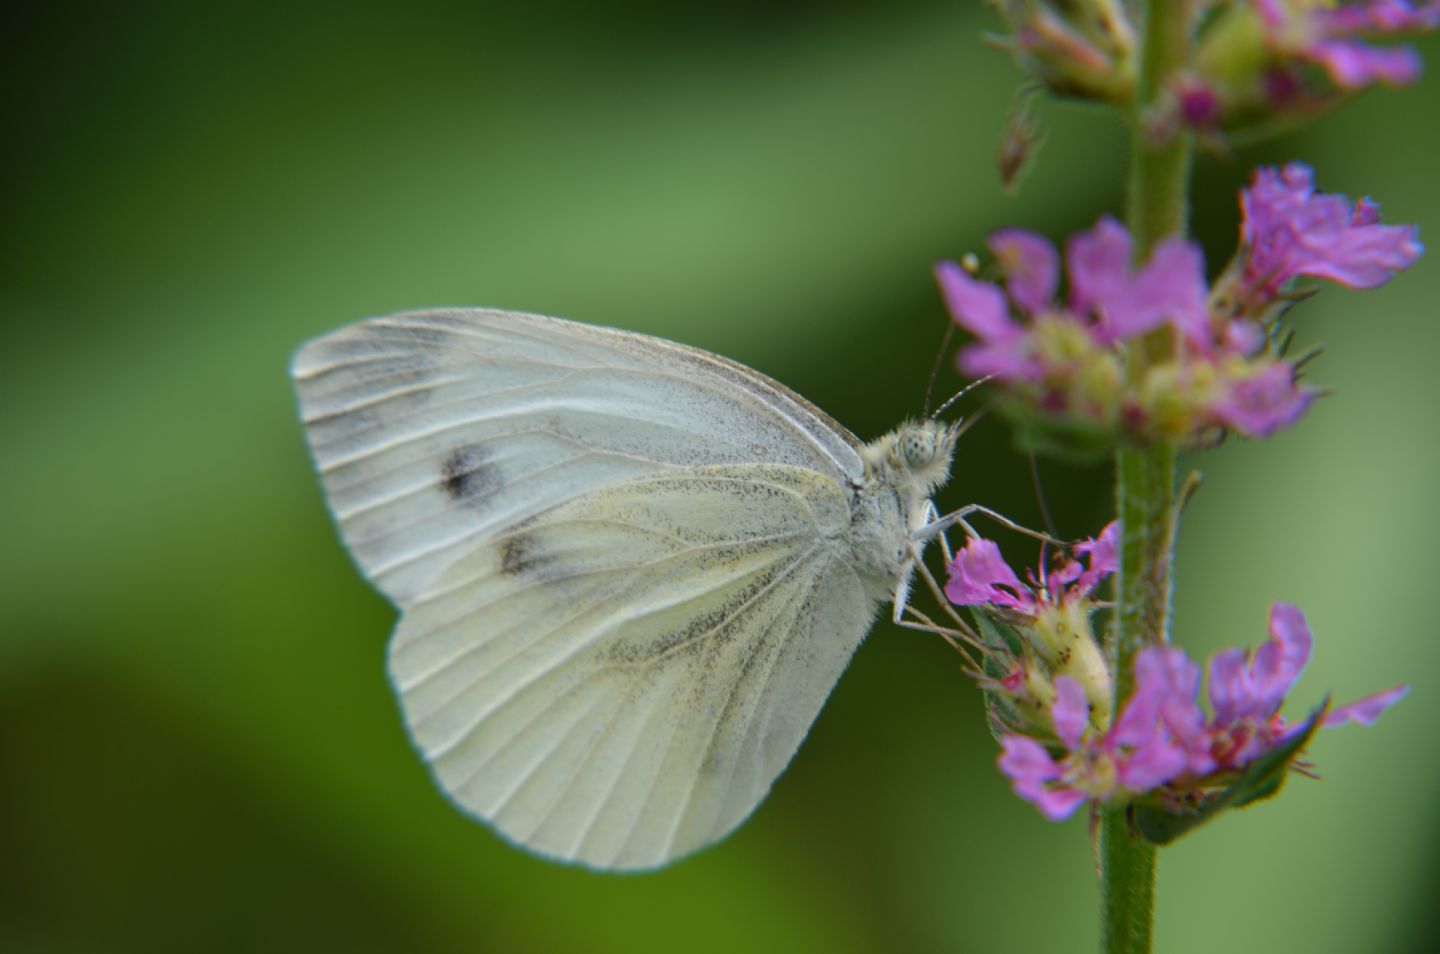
(1062, 576)
(1379, 16)
(1098, 263)
(1139, 720)
(1177, 684)
(1365, 711)
(1031, 266)
(1355, 65)
(1170, 287)
(1104, 557)
(1280, 660)
(1152, 764)
(1255, 691)
(1265, 402)
(1070, 711)
(1030, 769)
(1140, 715)
(1008, 361)
(1059, 577)
(1290, 230)
(1025, 760)
(1361, 257)
(1057, 804)
(979, 576)
(1325, 34)
(977, 306)
(1229, 687)
(1163, 715)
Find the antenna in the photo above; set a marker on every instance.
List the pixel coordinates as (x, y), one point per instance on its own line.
(1040, 496)
(959, 394)
(935, 368)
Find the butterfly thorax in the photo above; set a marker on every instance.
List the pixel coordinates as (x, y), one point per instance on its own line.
(891, 501)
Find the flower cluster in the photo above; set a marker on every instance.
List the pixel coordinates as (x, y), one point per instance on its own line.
(1257, 64)
(1050, 696)
(1162, 745)
(1062, 363)
(1266, 64)
(1334, 38)
(1050, 618)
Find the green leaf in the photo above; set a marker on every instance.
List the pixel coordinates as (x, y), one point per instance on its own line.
(1262, 779)
(998, 635)
(1006, 642)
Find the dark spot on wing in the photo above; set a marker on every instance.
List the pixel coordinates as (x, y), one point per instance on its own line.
(519, 555)
(469, 473)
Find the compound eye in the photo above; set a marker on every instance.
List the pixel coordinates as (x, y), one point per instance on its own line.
(918, 449)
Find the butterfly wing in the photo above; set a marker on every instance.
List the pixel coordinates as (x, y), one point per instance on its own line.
(618, 680)
(434, 430)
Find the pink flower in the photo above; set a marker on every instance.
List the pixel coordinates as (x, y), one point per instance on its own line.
(1246, 692)
(1163, 708)
(1162, 738)
(1062, 355)
(1036, 777)
(1109, 300)
(1365, 711)
(1253, 690)
(1328, 37)
(1031, 267)
(979, 576)
(1290, 230)
(979, 307)
(1263, 402)
(1137, 754)
(1169, 287)
(1102, 553)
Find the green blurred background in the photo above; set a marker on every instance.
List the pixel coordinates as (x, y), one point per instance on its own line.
(198, 747)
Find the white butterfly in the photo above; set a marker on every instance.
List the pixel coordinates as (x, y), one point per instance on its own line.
(629, 571)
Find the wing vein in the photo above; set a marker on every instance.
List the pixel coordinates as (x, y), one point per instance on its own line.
(687, 801)
(632, 574)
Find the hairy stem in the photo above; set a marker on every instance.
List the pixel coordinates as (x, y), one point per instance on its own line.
(1144, 478)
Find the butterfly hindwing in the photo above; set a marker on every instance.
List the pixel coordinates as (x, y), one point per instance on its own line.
(619, 679)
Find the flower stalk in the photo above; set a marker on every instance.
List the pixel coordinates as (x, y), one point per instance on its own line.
(1118, 343)
(1144, 477)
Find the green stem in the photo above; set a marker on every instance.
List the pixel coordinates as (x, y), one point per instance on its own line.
(1144, 487)
(1144, 478)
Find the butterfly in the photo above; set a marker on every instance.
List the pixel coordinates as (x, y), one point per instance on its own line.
(628, 571)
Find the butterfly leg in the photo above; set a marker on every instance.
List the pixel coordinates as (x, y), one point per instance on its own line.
(940, 524)
(957, 632)
(934, 527)
(932, 514)
(901, 604)
(916, 560)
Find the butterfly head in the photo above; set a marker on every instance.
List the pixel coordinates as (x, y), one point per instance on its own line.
(916, 455)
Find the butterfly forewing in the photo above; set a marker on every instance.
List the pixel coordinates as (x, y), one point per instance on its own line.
(435, 429)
